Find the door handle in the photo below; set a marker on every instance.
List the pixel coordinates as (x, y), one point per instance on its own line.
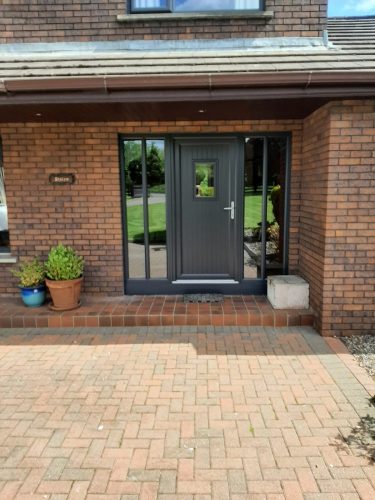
(231, 208)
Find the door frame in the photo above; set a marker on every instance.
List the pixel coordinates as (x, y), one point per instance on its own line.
(157, 286)
(235, 190)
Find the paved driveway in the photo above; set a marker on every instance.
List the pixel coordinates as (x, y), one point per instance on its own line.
(182, 413)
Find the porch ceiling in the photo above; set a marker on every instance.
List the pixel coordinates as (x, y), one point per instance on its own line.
(161, 111)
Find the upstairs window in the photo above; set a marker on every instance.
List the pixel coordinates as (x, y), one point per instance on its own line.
(194, 5)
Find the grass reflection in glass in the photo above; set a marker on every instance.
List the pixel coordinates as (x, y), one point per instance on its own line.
(156, 222)
(253, 210)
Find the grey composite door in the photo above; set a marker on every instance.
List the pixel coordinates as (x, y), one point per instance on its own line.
(208, 210)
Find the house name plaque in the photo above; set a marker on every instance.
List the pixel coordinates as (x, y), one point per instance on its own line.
(61, 179)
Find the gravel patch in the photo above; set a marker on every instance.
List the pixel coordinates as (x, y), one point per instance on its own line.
(363, 349)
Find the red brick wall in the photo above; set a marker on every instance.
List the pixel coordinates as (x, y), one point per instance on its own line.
(87, 215)
(350, 244)
(337, 232)
(73, 20)
(332, 204)
(313, 208)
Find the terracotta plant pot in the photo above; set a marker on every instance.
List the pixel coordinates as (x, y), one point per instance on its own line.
(65, 294)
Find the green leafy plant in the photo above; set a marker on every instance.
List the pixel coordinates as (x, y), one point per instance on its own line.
(63, 264)
(275, 197)
(204, 180)
(133, 169)
(30, 274)
(206, 191)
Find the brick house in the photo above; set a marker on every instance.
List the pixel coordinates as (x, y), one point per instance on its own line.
(209, 148)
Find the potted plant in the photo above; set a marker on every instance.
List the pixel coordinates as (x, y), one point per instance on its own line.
(31, 282)
(64, 275)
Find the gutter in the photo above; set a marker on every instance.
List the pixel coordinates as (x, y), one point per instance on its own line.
(108, 84)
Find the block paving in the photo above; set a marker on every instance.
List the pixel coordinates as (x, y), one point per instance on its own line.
(182, 413)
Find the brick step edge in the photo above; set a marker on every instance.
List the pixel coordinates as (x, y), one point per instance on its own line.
(280, 319)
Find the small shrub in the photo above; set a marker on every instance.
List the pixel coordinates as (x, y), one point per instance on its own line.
(273, 235)
(275, 197)
(63, 264)
(30, 274)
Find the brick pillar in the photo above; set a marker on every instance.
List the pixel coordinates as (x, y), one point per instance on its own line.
(337, 217)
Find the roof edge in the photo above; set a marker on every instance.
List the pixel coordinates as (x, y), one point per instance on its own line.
(168, 82)
(352, 18)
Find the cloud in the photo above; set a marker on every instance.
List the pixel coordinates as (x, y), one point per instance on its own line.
(365, 5)
(361, 6)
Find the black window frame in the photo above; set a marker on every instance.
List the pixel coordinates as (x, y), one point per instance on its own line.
(143, 139)
(169, 9)
(253, 286)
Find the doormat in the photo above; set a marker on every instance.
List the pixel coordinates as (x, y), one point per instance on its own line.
(203, 298)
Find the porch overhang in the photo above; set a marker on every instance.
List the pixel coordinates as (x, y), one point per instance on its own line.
(157, 80)
(270, 95)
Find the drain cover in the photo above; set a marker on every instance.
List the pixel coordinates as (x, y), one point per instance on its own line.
(203, 298)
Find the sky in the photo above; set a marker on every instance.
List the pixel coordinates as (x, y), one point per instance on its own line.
(351, 7)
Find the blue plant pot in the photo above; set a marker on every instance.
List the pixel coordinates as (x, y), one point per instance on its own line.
(33, 297)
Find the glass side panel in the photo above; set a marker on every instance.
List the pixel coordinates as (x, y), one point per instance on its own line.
(277, 147)
(207, 5)
(204, 173)
(156, 207)
(134, 208)
(253, 207)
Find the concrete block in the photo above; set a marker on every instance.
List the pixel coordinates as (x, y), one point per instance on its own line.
(288, 292)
